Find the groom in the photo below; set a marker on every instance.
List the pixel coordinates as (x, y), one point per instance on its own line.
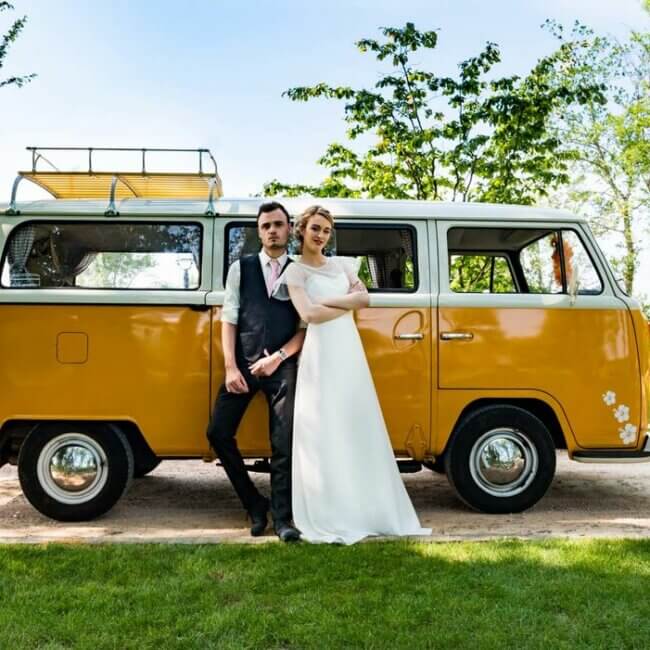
(260, 337)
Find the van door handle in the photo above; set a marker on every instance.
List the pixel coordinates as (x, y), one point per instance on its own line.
(409, 337)
(456, 336)
(200, 307)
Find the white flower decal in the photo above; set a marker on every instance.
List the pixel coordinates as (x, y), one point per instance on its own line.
(609, 398)
(622, 413)
(627, 434)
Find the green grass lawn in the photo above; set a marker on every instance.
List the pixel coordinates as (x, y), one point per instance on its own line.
(380, 595)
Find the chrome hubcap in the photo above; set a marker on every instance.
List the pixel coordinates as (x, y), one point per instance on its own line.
(503, 462)
(72, 468)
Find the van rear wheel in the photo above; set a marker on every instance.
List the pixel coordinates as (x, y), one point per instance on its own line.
(501, 459)
(74, 472)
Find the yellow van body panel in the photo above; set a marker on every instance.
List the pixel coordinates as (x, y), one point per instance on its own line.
(145, 364)
(151, 365)
(575, 356)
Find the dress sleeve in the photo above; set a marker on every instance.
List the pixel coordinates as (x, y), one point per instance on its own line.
(293, 276)
(351, 266)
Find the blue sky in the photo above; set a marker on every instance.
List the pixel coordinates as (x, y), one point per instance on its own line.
(211, 74)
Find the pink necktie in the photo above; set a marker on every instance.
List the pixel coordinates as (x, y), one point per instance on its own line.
(273, 275)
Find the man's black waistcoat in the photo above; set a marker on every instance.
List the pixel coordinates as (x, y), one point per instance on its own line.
(263, 322)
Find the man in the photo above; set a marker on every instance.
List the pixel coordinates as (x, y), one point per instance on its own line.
(261, 337)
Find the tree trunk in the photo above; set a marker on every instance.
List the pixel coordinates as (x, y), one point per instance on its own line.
(629, 264)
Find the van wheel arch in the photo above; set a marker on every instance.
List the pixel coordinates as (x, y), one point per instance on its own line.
(537, 407)
(144, 459)
(14, 432)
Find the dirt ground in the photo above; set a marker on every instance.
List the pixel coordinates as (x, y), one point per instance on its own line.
(192, 502)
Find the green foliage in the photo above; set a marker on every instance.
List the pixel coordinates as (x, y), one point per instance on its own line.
(611, 168)
(480, 274)
(117, 269)
(6, 41)
(469, 137)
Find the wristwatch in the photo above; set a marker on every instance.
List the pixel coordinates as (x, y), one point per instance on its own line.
(283, 355)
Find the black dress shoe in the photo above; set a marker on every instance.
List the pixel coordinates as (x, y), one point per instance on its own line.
(259, 518)
(287, 533)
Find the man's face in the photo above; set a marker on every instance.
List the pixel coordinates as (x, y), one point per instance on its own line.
(273, 230)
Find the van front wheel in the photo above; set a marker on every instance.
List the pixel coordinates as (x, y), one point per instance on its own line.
(501, 459)
(74, 472)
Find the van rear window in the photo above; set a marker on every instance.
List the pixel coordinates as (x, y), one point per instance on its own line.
(95, 255)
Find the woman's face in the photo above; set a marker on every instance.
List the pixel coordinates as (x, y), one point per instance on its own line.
(317, 233)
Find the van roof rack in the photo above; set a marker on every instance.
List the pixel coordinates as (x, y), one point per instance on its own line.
(117, 185)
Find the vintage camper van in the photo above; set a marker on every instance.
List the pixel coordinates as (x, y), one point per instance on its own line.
(495, 335)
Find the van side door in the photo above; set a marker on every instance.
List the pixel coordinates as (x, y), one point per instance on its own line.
(525, 310)
(396, 329)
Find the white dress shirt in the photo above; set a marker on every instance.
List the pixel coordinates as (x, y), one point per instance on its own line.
(230, 311)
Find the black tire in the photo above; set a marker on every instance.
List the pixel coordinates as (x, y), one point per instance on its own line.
(105, 450)
(479, 478)
(143, 465)
(437, 466)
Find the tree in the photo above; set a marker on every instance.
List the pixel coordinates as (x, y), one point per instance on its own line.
(117, 269)
(5, 43)
(469, 137)
(476, 273)
(611, 140)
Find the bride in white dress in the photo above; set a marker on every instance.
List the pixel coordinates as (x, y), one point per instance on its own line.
(345, 481)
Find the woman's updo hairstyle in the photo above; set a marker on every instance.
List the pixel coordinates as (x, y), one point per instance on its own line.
(303, 220)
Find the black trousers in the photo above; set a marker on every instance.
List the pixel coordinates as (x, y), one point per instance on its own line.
(229, 408)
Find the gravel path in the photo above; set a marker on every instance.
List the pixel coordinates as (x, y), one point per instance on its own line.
(193, 502)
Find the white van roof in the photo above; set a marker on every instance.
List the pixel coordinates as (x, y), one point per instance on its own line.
(247, 207)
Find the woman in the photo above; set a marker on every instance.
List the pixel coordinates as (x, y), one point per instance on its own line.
(345, 481)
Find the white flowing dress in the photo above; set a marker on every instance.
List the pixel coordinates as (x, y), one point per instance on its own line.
(345, 482)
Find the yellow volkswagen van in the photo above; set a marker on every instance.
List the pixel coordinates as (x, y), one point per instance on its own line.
(495, 335)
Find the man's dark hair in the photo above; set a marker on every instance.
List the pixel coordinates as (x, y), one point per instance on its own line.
(270, 206)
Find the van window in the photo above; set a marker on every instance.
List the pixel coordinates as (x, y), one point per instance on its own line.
(387, 252)
(481, 274)
(579, 267)
(540, 263)
(103, 256)
(524, 260)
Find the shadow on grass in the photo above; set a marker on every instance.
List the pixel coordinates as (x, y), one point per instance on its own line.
(507, 594)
